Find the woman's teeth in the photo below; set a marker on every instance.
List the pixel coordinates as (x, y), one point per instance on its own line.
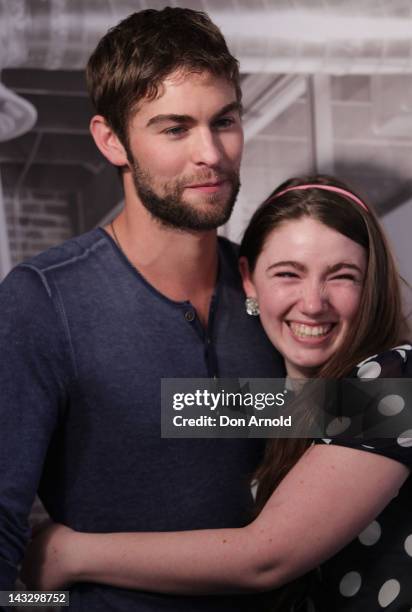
(310, 331)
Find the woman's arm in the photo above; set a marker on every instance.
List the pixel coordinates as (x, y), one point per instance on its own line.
(325, 501)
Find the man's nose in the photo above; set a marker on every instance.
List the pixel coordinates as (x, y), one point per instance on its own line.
(206, 149)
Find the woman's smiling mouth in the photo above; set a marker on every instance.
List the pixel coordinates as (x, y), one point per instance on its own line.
(313, 331)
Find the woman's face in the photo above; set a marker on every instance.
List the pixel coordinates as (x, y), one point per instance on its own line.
(308, 282)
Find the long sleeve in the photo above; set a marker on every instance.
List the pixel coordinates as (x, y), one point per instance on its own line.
(32, 395)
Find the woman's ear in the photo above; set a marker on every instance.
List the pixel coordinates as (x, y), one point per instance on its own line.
(248, 284)
(107, 141)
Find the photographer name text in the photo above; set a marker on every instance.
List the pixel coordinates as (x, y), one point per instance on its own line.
(226, 421)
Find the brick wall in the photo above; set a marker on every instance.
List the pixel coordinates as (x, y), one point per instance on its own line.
(37, 221)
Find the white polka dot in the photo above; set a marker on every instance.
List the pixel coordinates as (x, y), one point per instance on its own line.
(405, 439)
(402, 354)
(326, 440)
(408, 545)
(372, 369)
(350, 584)
(371, 534)
(408, 347)
(388, 592)
(391, 405)
(366, 360)
(337, 426)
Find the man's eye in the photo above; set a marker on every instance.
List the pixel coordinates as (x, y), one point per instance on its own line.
(175, 131)
(224, 122)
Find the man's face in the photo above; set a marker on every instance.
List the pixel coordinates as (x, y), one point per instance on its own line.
(185, 149)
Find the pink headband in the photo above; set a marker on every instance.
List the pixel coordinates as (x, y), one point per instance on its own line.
(325, 188)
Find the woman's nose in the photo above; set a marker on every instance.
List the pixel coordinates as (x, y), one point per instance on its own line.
(314, 298)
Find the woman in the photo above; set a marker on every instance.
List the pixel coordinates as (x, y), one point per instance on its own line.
(317, 268)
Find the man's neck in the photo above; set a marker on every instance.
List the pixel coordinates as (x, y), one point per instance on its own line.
(182, 265)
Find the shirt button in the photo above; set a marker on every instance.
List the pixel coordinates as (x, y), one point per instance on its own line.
(189, 315)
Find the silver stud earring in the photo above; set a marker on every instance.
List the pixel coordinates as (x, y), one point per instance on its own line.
(252, 306)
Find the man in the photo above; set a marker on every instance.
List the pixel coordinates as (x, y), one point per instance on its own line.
(89, 328)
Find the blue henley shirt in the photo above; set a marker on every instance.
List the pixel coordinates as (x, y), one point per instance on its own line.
(85, 341)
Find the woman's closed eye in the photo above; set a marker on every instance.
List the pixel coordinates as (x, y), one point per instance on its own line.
(286, 274)
(348, 276)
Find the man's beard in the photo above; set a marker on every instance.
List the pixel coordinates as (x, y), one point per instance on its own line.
(171, 210)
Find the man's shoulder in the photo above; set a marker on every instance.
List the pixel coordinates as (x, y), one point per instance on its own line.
(68, 253)
(68, 260)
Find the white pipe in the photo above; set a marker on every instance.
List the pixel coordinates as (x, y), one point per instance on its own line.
(320, 109)
(5, 257)
(271, 103)
(17, 116)
(338, 38)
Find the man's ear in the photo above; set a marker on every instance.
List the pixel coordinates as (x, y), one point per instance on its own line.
(248, 284)
(107, 141)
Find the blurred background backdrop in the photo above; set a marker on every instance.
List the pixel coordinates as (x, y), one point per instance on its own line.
(327, 87)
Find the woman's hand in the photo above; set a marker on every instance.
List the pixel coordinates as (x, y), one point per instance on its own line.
(50, 560)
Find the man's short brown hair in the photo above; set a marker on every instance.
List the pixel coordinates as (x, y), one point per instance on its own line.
(132, 60)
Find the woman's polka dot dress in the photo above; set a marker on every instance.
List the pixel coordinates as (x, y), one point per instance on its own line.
(374, 572)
